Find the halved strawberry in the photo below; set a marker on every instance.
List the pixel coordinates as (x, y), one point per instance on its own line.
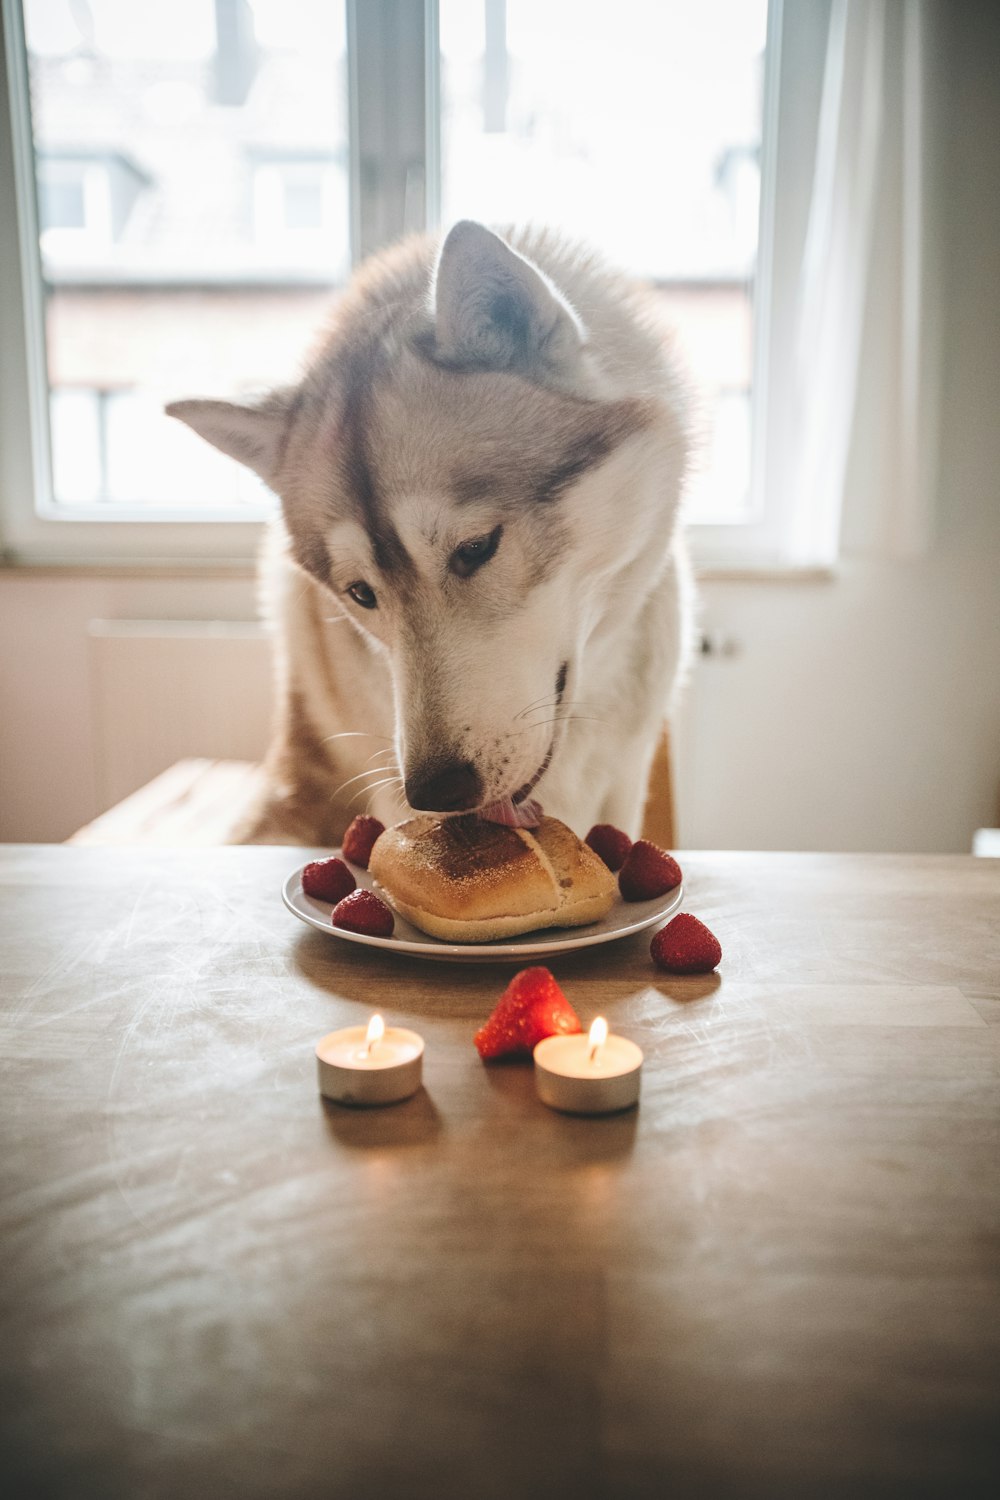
(530, 1008)
(686, 946)
(363, 911)
(327, 880)
(610, 843)
(360, 837)
(647, 872)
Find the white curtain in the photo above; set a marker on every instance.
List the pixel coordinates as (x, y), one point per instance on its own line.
(862, 424)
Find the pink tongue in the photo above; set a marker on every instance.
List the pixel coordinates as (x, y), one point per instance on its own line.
(527, 814)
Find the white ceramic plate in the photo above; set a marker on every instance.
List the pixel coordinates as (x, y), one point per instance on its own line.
(623, 918)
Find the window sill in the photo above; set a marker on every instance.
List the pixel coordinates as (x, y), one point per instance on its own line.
(26, 567)
(245, 567)
(114, 547)
(763, 572)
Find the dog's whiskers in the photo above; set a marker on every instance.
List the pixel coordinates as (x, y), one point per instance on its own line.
(516, 734)
(369, 791)
(356, 734)
(385, 780)
(361, 776)
(538, 708)
(536, 703)
(559, 718)
(570, 719)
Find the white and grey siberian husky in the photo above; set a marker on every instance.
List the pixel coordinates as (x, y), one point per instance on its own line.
(479, 589)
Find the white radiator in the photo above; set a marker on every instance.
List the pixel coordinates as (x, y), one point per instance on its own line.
(166, 689)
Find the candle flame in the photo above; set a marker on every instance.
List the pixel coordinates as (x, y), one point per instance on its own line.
(375, 1033)
(598, 1036)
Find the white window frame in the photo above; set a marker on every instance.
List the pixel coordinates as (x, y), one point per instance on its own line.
(796, 49)
(394, 171)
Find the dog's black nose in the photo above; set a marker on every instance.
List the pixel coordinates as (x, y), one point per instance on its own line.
(449, 788)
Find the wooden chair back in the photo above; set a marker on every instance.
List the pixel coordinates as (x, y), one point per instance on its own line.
(658, 822)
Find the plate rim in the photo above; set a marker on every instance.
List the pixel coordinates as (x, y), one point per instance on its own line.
(500, 950)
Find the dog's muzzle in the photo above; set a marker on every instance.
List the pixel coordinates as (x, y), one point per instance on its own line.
(454, 787)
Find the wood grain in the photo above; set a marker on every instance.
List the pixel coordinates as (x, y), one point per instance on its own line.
(778, 1277)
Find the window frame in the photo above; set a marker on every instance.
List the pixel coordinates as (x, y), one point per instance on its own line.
(795, 58)
(394, 162)
(38, 532)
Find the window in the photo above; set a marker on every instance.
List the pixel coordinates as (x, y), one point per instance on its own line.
(636, 128)
(90, 193)
(300, 208)
(205, 173)
(62, 194)
(190, 167)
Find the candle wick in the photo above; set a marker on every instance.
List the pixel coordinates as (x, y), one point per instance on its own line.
(593, 1051)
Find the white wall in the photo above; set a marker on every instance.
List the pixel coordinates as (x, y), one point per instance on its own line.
(862, 713)
(859, 713)
(49, 776)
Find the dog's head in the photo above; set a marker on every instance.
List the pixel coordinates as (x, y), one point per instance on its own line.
(439, 469)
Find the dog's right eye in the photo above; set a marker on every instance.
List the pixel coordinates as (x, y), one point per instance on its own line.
(363, 594)
(471, 555)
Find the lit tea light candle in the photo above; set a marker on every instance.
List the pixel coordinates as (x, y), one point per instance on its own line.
(595, 1074)
(377, 1064)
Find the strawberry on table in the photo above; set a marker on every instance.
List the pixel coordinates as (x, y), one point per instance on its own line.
(363, 911)
(360, 838)
(531, 1008)
(610, 843)
(648, 871)
(686, 946)
(327, 880)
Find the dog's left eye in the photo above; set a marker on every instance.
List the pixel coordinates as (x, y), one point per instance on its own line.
(362, 593)
(472, 554)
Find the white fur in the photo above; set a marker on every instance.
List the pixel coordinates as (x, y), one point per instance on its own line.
(465, 668)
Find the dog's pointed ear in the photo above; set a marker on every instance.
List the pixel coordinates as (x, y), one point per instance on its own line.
(494, 310)
(254, 435)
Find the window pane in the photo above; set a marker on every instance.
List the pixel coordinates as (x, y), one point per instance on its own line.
(637, 127)
(76, 442)
(191, 161)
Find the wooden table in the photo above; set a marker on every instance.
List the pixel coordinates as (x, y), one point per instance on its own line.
(777, 1278)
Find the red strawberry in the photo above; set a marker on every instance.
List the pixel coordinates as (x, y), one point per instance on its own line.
(685, 946)
(359, 839)
(610, 843)
(530, 1008)
(363, 911)
(648, 872)
(327, 879)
